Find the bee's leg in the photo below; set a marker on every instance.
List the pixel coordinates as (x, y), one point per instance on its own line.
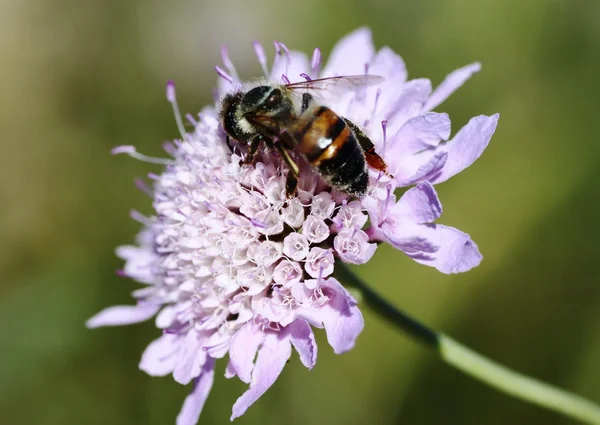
(253, 149)
(291, 185)
(291, 182)
(306, 101)
(228, 142)
(373, 159)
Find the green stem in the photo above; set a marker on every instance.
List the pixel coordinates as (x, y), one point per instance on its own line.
(472, 363)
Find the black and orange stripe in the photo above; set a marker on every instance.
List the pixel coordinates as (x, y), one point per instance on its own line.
(331, 147)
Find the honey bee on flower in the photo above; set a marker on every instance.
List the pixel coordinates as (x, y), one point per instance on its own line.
(269, 190)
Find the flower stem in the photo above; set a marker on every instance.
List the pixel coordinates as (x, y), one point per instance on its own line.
(472, 363)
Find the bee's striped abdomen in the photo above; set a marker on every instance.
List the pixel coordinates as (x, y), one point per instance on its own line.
(330, 146)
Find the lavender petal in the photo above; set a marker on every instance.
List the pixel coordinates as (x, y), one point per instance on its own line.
(194, 402)
(123, 315)
(450, 84)
(271, 359)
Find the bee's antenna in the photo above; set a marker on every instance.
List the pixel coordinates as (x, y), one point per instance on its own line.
(316, 62)
(173, 101)
(262, 57)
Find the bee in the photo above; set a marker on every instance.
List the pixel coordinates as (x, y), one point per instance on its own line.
(287, 118)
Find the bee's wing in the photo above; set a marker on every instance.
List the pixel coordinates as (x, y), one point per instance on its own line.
(334, 86)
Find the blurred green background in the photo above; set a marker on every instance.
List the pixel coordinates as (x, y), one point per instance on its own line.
(78, 78)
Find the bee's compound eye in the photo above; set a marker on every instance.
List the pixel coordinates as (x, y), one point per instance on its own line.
(273, 97)
(255, 96)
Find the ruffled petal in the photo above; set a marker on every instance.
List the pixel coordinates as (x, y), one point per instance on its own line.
(350, 54)
(165, 318)
(190, 357)
(194, 402)
(425, 171)
(378, 100)
(414, 245)
(353, 246)
(271, 359)
(420, 133)
(340, 317)
(447, 249)
(450, 84)
(389, 65)
(242, 350)
(303, 340)
(408, 104)
(419, 204)
(468, 145)
(123, 315)
(159, 357)
(230, 371)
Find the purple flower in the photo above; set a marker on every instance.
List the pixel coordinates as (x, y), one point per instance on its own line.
(232, 267)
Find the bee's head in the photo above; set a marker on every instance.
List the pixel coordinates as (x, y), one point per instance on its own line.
(266, 102)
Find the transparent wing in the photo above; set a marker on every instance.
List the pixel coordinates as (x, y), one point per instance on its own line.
(334, 86)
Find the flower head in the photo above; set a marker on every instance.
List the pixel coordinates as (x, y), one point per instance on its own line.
(232, 266)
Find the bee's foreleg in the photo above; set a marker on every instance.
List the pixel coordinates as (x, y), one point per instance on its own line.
(253, 149)
(373, 159)
(291, 185)
(228, 142)
(291, 182)
(306, 101)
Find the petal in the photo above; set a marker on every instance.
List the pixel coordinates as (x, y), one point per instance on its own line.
(419, 204)
(242, 350)
(123, 315)
(217, 345)
(450, 84)
(425, 171)
(230, 371)
(159, 357)
(190, 357)
(340, 317)
(408, 104)
(303, 340)
(389, 65)
(377, 100)
(193, 404)
(409, 240)
(350, 54)
(447, 249)
(467, 145)
(166, 317)
(419, 133)
(352, 246)
(292, 66)
(271, 359)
